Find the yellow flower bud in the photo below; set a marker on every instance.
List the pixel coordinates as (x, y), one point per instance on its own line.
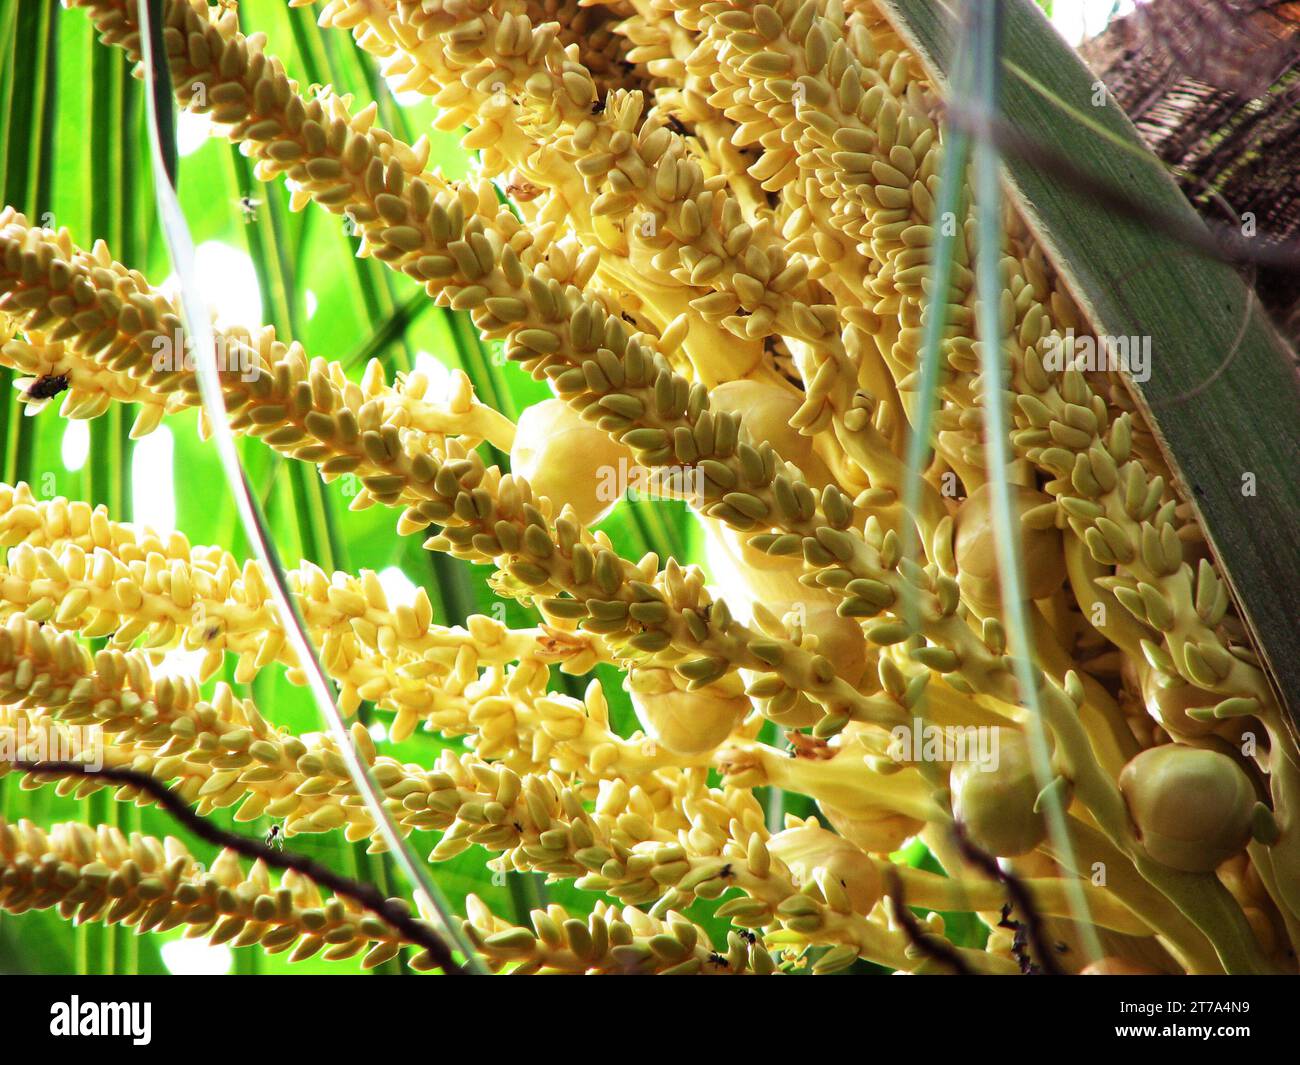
(1192, 807)
(839, 639)
(807, 849)
(569, 460)
(875, 835)
(684, 722)
(994, 800)
(977, 553)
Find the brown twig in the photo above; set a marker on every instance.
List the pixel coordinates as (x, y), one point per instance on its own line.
(930, 945)
(391, 911)
(1020, 897)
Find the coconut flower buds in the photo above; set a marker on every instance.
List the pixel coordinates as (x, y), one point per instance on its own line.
(569, 460)
(875, 835)
(733, 281)
(1192, 807)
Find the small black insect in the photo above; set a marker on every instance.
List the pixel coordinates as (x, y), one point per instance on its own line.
(717, 959)
(726, 873)
(275, 838)
(748, 936)
(46, 387)
(598, 107)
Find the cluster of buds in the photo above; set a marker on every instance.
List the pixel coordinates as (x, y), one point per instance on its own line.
(717, 256)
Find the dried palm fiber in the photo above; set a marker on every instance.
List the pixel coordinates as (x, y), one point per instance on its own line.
(1189, 112)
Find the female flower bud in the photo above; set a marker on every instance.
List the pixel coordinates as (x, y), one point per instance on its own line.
(685, 722)
(840, 641)
(1192, 807)
(994, 799)
(767, 410)
(569, 460)
(977, 553)
(875, 835)
(807, 849)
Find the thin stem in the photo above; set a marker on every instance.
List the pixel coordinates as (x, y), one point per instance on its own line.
(988, 207)
(180, 244)
(390, 911)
